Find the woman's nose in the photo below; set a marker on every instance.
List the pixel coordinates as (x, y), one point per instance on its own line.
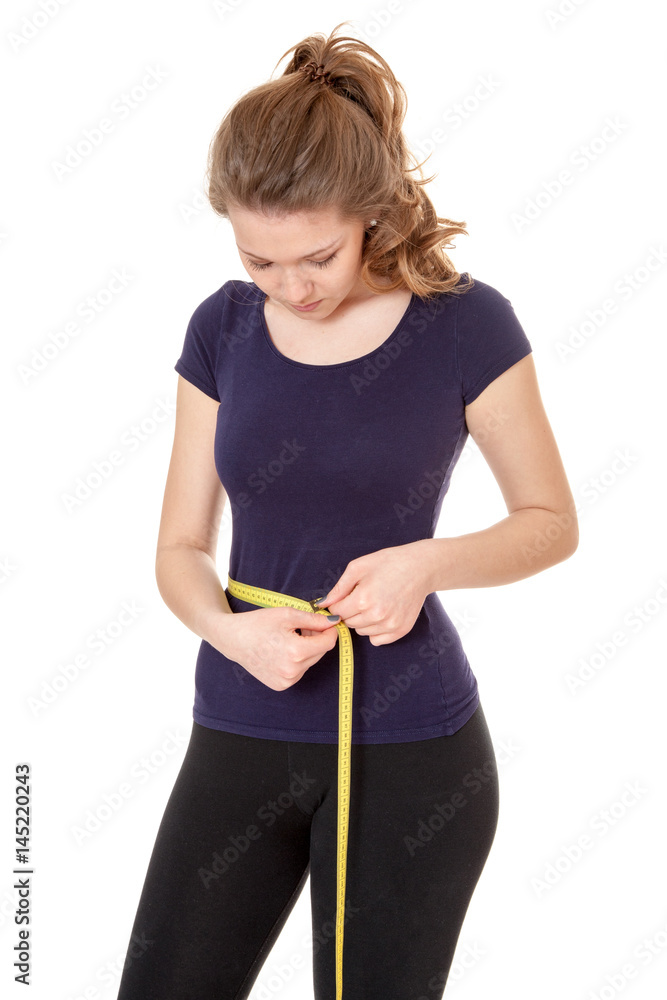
(296, 287)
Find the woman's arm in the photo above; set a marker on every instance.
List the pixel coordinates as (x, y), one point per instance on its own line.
(194, 499)
(509, 424)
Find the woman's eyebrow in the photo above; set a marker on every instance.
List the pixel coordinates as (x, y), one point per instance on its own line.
(311, 254)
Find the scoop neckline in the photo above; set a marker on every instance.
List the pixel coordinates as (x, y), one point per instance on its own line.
(339, 364)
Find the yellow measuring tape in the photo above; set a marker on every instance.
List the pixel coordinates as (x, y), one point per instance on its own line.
(272, 599)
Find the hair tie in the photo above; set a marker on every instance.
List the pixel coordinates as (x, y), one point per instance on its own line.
(316, 72)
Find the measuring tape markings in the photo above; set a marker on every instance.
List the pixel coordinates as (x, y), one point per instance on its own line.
(274, 599)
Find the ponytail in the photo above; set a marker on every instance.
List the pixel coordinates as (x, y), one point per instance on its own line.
(327, 133)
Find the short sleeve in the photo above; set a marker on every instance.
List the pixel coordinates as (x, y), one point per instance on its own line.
(201, 346)
(489, 338)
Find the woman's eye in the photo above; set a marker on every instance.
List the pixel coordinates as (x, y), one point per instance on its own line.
(317, 263)
(324, 263)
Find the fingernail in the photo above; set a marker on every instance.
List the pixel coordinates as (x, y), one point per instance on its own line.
(318, 600)
(333, 618)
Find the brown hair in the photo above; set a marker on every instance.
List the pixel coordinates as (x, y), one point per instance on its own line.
(327, 133)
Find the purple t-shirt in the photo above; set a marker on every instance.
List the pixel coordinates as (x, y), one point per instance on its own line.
(325, 463)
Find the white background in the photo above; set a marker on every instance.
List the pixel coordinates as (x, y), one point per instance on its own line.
(135, 204)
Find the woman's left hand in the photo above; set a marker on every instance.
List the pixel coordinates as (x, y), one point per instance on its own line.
(381, 594)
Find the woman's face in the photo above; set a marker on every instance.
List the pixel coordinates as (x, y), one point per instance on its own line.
(303, 259)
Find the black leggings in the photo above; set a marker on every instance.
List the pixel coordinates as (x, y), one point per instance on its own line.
(249, 819)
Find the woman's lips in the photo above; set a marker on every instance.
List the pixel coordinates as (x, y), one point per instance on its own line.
(307, 308)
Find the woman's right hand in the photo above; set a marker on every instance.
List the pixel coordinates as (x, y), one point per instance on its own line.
(265, 642)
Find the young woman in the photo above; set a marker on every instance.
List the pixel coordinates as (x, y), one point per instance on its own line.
(326, 401)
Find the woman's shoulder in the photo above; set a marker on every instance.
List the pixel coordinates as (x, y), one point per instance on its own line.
(235, 291)
(478, 292)
(469, 294)
(467, 288)
(241, 291)
(233, 294)
(478, 301)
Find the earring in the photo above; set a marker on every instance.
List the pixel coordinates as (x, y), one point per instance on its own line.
(373, 222)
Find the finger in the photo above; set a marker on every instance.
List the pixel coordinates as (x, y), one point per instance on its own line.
(364, 627)
(322, 622)
(361, 620)
(341, 589)
(314, 640)
(382, 639)
(295, 618)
